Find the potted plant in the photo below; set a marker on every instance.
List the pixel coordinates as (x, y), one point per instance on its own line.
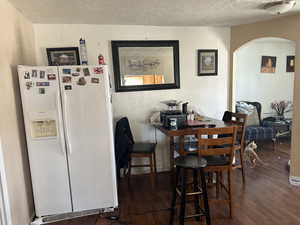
(281, 107)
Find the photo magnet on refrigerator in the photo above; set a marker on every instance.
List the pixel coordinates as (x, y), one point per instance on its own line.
(86, 71)
(27, 75)
(68, 87)
(66, 79)
(29, 84)
(75, 74)
(43, 84)
(42, 91)
(34, 73)
(98, 70)
(95, 80)
(51, 77)
(81, 81)
(42, 74)
(66, 71)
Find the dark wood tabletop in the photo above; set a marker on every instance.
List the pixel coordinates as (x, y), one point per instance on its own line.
(206, 122)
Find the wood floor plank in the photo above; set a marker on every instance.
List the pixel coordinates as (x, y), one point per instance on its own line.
(266, 199)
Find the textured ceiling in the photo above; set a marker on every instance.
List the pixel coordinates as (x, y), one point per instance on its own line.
(146, 12)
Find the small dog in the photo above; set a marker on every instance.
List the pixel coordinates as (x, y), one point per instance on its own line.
(250, 155)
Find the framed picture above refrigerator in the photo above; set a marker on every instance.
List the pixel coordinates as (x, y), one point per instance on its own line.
(63, 56)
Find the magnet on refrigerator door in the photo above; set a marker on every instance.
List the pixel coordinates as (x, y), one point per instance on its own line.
(86, 71)
(34, 74)
(51, 77)
(98, 70)
(27, 75)
(42, 74)
(95, 80)
(29, 84)
(66, 71)
(66, 79)
(78, 69)
(68, 87)
(42, 84)
(81, 81)
(75, 74)
(42, 91)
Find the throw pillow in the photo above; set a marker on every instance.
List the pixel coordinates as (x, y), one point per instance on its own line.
(251, 111)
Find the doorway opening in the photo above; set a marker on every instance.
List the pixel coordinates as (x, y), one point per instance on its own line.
(263, 74)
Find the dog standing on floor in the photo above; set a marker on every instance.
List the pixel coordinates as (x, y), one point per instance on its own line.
(250, 155)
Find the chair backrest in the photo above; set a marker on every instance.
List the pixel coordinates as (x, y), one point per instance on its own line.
(258, 107)
(123, 127)
(123, 143)
(217, 141)
(240, 120)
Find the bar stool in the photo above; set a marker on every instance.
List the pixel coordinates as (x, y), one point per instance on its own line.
(183, 165)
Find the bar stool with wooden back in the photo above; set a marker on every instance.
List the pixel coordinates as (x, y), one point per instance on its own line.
(214, 154)
(217, 146)
(240, 120)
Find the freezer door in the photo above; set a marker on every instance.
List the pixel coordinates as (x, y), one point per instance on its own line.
(89, 136)
(45, 139)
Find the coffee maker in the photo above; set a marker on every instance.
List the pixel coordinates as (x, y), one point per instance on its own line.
(172, 118)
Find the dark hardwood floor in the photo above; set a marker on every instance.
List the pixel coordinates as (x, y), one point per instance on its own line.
(266, 199)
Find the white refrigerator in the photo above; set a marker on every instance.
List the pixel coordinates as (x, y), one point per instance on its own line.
(69, 131)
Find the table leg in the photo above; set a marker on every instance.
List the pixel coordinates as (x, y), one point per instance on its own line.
(181, 146)
(172, 153)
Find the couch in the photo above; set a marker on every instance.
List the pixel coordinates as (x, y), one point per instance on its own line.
(259, 132)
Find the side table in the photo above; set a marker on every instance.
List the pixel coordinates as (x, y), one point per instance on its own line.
(283, 128)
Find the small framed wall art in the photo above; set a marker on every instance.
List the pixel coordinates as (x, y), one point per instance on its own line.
(268, 64)
(207, 62)
(290, 63)
(63, 56)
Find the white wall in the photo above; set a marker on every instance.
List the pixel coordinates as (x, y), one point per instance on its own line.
(208, 94)
(252, 85)
(17, 47)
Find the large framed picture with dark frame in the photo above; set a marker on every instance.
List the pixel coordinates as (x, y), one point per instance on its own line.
(145, 65)
(207, 62)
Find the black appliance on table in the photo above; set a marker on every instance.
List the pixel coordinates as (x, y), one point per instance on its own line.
(173, 118)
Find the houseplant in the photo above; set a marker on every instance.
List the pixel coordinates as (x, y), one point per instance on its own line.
(281, 107)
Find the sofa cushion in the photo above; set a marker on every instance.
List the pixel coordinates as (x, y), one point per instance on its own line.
(251, 111)
(252, 119)
(259, 133)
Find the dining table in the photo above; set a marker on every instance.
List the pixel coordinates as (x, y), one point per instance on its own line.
(190, 129)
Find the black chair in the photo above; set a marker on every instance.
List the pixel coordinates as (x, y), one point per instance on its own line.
(260, 132)
(126, 149)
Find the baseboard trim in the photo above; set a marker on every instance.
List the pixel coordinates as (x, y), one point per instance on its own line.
(71, 215)
(294, 180)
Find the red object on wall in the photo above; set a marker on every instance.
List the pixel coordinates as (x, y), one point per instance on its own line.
(101, 60)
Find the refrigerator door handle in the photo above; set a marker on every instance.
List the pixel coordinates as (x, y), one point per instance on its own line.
(69, 146)
(61, 136)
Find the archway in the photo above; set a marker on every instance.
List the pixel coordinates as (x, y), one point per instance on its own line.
(252, 81)
(263, 52)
